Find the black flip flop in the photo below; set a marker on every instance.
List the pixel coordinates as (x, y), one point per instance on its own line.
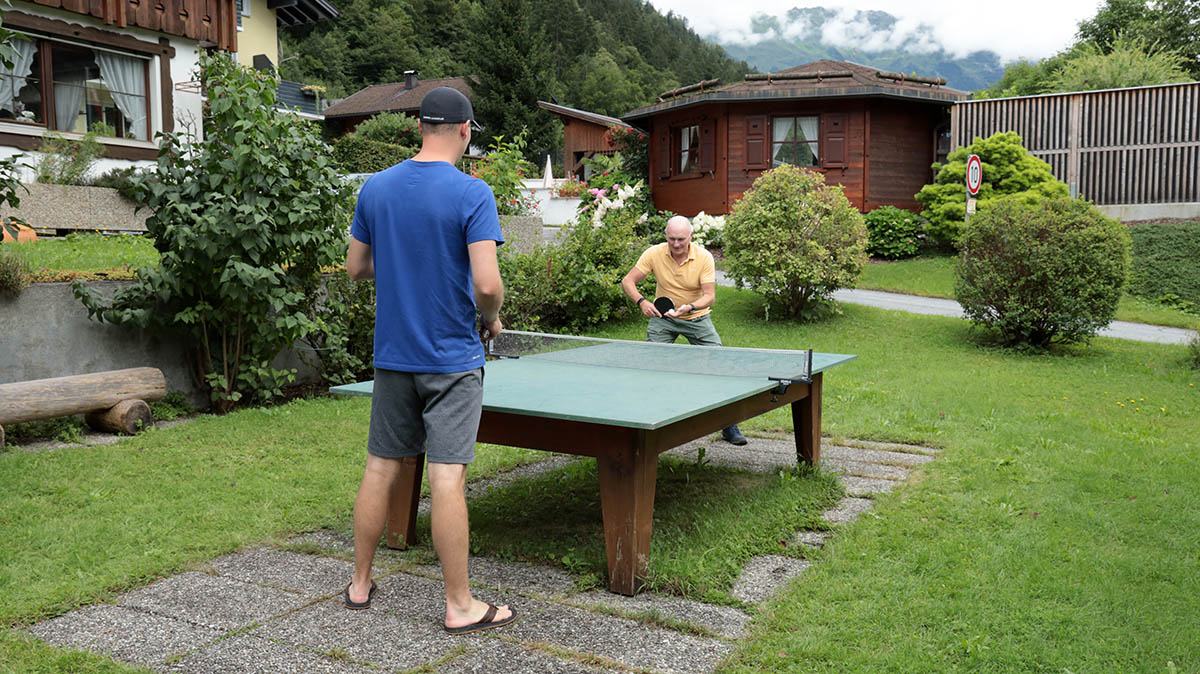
(357, 605)
(485, 623)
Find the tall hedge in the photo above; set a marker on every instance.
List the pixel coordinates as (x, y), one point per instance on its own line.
(1166, 263)
(354, 154)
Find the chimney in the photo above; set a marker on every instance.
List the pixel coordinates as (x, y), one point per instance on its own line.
(410, 79)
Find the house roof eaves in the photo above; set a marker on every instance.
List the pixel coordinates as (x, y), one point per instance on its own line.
(593, 117)
(932, 96)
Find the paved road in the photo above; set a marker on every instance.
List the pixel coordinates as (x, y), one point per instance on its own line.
(939, 307)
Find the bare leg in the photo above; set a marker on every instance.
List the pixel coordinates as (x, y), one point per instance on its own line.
(370, 515)
(451, 538)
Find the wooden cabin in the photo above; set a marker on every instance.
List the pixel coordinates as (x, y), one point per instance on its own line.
(404, 97)
(583, 135)
(873, 132)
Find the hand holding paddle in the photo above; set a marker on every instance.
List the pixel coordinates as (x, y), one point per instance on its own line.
(663, 305)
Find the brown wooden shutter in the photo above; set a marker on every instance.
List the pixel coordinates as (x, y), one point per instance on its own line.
(756, 142)
(833, 140)
(708, 145)
(662, 150)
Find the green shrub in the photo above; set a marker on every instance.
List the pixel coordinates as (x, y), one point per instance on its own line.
(390, 127)
(361, 155)
(1007, 170)
(504, 169)
(708, 230)
(1193, 353)
(66, 161)
(172, 406)
(1165, 268)
(794, 240)
(343, 341)
(14, 272)
(123, 180)
(1050, 271)
(893, 233)
(245, 218)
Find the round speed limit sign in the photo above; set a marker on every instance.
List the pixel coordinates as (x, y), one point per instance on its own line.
(974, 174)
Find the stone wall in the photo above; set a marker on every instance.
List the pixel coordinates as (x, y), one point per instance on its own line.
(65, 208)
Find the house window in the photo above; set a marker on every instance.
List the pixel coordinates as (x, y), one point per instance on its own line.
(687, 153)
(794, 141)
(71, 87)
(243, 9)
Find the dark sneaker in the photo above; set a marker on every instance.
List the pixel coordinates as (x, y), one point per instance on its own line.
(733, 436)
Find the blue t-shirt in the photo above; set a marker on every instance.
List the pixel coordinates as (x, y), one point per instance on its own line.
(418, 218)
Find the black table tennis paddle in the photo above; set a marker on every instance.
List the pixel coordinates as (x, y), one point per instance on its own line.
(663, 304)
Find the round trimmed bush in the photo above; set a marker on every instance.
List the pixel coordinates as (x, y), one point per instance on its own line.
(794, 240)
(396, 128)
(1049, 271)
(893, 233)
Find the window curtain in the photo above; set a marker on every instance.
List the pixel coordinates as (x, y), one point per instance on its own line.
(125, 78)
(811, 129)
(68, 95)
(22, 58)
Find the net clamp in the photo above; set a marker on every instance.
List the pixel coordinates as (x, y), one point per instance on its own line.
(780, 388)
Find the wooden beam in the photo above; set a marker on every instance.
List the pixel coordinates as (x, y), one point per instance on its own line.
(62, 396)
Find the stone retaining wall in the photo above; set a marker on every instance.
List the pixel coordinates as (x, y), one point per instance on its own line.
(58, 209)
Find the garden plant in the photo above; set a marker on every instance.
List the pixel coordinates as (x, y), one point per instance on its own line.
(1048, 271)
(794, 240)
(893, 233)
(504, 168)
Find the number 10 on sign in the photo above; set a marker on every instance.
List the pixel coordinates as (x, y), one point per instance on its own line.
(974, 174)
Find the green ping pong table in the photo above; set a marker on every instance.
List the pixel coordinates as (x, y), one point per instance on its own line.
(624, 403)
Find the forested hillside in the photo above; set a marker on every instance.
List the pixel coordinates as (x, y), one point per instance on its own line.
(607, 56)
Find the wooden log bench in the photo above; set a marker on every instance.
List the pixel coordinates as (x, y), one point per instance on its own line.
(113, 401)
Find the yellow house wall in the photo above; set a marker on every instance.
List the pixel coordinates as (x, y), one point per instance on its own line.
(258, 35)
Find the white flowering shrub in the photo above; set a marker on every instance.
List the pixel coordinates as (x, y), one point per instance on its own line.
(708, 230)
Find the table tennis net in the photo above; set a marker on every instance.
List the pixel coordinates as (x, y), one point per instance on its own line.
(650, 356)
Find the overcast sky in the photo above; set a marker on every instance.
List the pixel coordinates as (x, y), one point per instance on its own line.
(1031, 29)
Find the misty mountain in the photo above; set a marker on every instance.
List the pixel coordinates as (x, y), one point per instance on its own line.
(873, 38)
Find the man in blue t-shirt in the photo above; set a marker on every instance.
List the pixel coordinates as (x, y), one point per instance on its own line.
(427, 233)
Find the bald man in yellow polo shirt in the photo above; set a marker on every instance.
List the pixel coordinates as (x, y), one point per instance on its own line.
(684, 272)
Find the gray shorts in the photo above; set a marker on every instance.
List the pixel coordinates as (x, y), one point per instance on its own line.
(415, 413)
(698, 331)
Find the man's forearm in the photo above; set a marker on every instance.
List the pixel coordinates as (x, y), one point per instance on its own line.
(488, 304)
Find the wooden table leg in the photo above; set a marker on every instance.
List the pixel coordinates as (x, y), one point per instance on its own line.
(806, 418)
(401, 528)
(627, 482)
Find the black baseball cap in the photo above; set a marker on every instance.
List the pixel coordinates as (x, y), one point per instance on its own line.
(446, 105)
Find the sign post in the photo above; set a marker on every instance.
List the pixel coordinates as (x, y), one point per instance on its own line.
(974, 181)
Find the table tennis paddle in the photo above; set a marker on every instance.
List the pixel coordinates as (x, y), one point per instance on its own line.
(663, 304)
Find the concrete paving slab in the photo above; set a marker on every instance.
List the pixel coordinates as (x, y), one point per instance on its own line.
(498, 656)
(245, 654)
(724, 621)
(764, 455)
(863, 487)
(312, 576)
(527, 579)
(211, 601)
(763, 576)
(847, 510)
(880, 456)
(376, 637)
(124, 634)
(811, 539)
(862, 469)
(414, 597)
(631, 643)
(895, 447)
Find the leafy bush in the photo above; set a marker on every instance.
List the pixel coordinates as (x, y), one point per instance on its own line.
(708, 230)
(1164, 263)
(1042, 272)
(504, 169)
(344, 341)
(390, 127)
(14, 272)
(123, 180)
(1193, 353)
(1007, 170)
(893, 233)
(66, 161)
(245, 218)
(794, 240)
(361, 155)
(610, 174)
(634, 148)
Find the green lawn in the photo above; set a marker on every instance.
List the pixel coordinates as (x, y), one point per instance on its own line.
(932, 275)
(119, 255)
(1059, 529)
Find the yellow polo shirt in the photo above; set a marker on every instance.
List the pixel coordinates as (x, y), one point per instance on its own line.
(680, 282)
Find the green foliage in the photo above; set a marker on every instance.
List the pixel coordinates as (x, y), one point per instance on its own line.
(172, 406)
(610, 175)
(708, 230)
(893, 233)
(1025, 78)
(1164, 263)
(1045, 271)
(1193, 353)
(390, 127)
(1165, 25)
(572, 189)
(634, 148)
(1007, 170)
(66, 161)
(344, 342)
(244, 220)
(14, 271)
(504, 168)
(1129, 62)
(794, 240)
(574, 285)
(68, 428)
(123, 180)
(361, 155)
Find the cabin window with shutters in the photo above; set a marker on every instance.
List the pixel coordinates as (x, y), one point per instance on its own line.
(794, 141)
(687, 150)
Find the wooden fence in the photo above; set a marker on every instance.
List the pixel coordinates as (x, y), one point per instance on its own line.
(1115, 147)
